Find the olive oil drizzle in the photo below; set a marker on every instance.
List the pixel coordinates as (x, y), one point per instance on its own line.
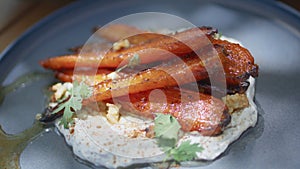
(11, 146)
(20, 82)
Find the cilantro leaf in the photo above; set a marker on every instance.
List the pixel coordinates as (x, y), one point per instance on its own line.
(218, 35)
(134, 61)
(166, 144)
(73, 103)
(81, 89)
(186, 151)
(67, 117)
(166, 126)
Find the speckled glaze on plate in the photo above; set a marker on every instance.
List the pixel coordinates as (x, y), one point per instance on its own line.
(271, 31)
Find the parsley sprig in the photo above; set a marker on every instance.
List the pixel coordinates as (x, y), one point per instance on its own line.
(166, 128)
(73, 103)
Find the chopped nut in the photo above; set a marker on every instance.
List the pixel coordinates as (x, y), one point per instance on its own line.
(68, 85)
(150, 132)
(56, 87)
(52, 104)
(61, 90)
(113, 75)
(121, 45)
(135, 134)
(38, 116)
(236, 102)
(113, 114)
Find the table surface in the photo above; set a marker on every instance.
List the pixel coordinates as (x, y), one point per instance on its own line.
(18, 15)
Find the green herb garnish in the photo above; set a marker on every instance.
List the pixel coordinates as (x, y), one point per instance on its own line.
(186, 151)
(166, 128)
(218, 35)
(134, 61)
(79, 92)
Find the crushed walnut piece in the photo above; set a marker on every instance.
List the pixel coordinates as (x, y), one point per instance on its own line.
(236, 102)
(113, 113)
(150, 131)
(122, 44)
(60, 90)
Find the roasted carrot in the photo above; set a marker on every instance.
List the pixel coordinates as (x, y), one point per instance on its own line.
(86, 71)
(167, 74)
(156, 49)
(194, 111)
(90, 77)
(236, 61)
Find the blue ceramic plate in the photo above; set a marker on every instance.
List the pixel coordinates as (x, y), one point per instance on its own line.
(270, 30)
